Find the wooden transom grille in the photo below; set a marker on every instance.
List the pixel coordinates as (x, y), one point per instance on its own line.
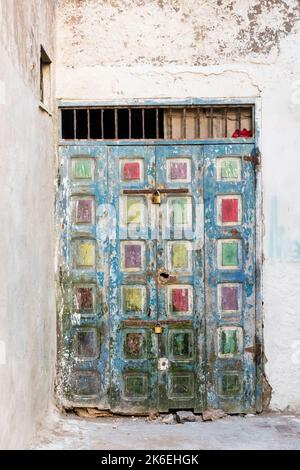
(142, 123)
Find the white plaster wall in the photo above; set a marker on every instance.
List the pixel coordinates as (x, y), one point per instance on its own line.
(27, 307)
(123, 49)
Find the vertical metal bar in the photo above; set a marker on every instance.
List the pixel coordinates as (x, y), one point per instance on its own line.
(198, 128)
(88, 125)
(170, 124)
(102, 124)
(129, 123)
(183, 134)
(211, 123)
(239, 118)
(75, 123)
(157, 122)
(143, 122)
(116, 123)
(225, 123)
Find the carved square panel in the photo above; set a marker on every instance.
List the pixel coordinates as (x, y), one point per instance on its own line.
(229, 297)
(86, 344)
(181, 344)
(134, 345)
(132, 256)
(181, 385)
(83, 168)
(229, 210)
(134, 298)
(229, 254)
(229, 169)
(230, 383)
(180, 299)
(84, 211)
(179, 256)
(84, 299)
(179, 170)
(84, 254)
(230, 340)
(87, 384)
(136, 386)
(132, 170)
(135, 211)
(180, 212)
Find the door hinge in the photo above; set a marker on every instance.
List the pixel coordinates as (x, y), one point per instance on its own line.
(256, 350)
(60, 276)
(58, 178)
(254, 158)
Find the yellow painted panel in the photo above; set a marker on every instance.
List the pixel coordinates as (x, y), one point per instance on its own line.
(86, 254)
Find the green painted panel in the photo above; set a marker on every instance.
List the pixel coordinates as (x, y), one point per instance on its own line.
(182, 385)
(229, 342)
(135, 386)
(180, 213)
(230, 384)
(181, 346)
(83, 169)
(230, 254)
(229, 169)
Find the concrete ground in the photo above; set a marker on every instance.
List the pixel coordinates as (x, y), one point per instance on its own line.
(266, 431)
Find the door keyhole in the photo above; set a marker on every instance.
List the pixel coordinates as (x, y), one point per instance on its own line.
(164, 275)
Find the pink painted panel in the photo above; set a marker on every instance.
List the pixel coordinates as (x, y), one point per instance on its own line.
(133, 256)
(84, 211)
(178, 170)
(180, 300)
(229, 298)
(131, 171)
(230, 209)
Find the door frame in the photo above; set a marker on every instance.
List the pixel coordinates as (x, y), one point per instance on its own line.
(256, 140)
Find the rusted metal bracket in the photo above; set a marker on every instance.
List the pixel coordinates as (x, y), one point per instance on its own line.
(256, 350)
(254, 158)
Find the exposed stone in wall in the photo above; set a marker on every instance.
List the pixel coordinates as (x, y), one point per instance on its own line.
(157, 32)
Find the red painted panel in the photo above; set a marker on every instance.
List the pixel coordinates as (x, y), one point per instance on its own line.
(230, 209)
(180, 300)
(131, 171)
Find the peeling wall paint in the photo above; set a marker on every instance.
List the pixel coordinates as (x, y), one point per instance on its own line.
(219, 49)
(178, 32)
(27, 307)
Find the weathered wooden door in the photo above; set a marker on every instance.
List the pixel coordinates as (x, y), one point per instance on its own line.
(156, 278)
(229, 180)
(157, 310)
